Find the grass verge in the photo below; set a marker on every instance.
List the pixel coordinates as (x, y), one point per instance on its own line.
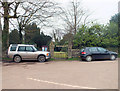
(69, 59)
(60, 55)
(75, 58)
(7, 59)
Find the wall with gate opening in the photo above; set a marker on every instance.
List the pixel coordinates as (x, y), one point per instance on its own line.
(63, 51)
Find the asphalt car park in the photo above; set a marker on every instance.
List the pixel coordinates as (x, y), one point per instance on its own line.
(60, 75)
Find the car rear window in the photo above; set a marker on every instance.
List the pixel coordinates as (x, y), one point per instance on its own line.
(13, 48)
(82, 50)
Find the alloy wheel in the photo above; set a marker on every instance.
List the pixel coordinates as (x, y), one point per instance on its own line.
(17, 59)
(41, 59)
(88, 58)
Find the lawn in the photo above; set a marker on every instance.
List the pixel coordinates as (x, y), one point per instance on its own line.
(6, 59)
(60, 55)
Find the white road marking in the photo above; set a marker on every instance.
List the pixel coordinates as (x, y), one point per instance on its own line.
(62, 84)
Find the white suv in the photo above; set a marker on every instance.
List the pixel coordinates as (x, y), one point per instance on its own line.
(21, 52)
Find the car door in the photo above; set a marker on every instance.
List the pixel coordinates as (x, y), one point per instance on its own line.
(103, 53)
(30, 52)
(21, 51)
(94, 52)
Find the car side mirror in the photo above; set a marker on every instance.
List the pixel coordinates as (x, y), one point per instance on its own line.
(32, 51)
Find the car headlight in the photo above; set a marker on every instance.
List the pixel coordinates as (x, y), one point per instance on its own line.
(47, 54)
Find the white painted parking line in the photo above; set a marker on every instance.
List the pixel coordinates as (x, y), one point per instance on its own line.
(62, 84)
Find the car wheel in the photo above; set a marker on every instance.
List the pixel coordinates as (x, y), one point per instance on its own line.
(17, 59)
(41, 59)
(88, 58)
(112, 57)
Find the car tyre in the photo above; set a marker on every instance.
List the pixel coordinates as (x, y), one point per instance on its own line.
(88, 58)
(41, 59)
(17, 59)
(112, 57)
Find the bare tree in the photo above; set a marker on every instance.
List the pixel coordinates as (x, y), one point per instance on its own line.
(57, 35)
(74, 16)
(8, 11)
(25, 13)
(38, 12)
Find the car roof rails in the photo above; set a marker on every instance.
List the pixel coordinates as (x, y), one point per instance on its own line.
(14, 44)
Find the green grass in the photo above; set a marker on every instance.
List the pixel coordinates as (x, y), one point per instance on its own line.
(69, 59)
(60, 55)
(75, 58)
(64, 56)
(51, 59)
(7, 59)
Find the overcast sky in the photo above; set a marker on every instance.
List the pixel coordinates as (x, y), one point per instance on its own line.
(101, 10)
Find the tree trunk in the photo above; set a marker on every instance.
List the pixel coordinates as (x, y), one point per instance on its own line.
(70, 49)
(5, 32)
(70, 40)
(20, 35)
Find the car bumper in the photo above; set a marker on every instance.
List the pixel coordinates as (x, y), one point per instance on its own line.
(83, 56)
(48, 57)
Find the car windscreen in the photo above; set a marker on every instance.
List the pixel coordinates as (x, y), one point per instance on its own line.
(35, 49)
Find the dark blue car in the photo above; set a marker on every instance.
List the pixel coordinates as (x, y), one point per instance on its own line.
(92, 53)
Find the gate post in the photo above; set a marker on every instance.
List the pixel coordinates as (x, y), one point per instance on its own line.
(70, 49)
(51, 46)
